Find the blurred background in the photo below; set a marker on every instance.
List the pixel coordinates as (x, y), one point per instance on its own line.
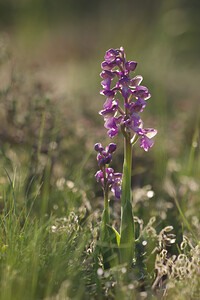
(50, 56)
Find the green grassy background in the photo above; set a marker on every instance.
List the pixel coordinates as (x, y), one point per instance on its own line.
(50, 55)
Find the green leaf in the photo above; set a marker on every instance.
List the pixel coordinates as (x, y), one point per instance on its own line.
(109, 245)
(127, 241)
(116, 233)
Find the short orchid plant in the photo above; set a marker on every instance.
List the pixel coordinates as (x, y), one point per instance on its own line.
(120, 247)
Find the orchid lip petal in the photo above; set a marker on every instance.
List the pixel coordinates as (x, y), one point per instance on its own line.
(146, 143)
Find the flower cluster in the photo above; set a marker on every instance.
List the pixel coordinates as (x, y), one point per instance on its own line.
(134, 96)
(106, 175)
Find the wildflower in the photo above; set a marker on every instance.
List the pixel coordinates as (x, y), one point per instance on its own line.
(106, 176)
(127, 118)
(111, 179)
(146, 135)
(134, 97)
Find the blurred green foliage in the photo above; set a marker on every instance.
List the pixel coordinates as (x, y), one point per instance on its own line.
(50, 55)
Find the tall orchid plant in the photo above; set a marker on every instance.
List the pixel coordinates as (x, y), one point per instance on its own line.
(125, 117)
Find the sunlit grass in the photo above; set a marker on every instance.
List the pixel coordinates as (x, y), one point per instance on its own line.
(50, 204)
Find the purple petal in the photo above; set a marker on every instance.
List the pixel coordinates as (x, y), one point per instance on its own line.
(136, 80)
(107, 159)
(107, 74)
(107, 66)
(106, 83)
(133, 121)
(108, 103)
(109, 170)
(140, 105)
(131, 65)
(118, 61)
(118, 191)
(98, 175)
(124, 80)
(146, 143)
(99, 157)
(125, 91)
(123, 83)
(112, 132)
(140, 91)
(116, 185)
(111, 55)
(149, 132)
(110, 123)
(110, 110)
(136, 119)
(108, 93)
(118, 175)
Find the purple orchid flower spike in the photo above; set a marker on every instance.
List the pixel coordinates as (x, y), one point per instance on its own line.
(134, 97)
(123, 113)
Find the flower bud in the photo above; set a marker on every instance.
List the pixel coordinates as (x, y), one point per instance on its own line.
(112, 147)
(111, 55)
(131, 65)
(98, 147)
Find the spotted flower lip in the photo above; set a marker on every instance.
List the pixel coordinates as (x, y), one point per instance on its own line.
(145, 137)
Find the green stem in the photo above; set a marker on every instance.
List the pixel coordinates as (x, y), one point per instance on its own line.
(126, 180)
(127, 241)
(104, 235)
(106, 192)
